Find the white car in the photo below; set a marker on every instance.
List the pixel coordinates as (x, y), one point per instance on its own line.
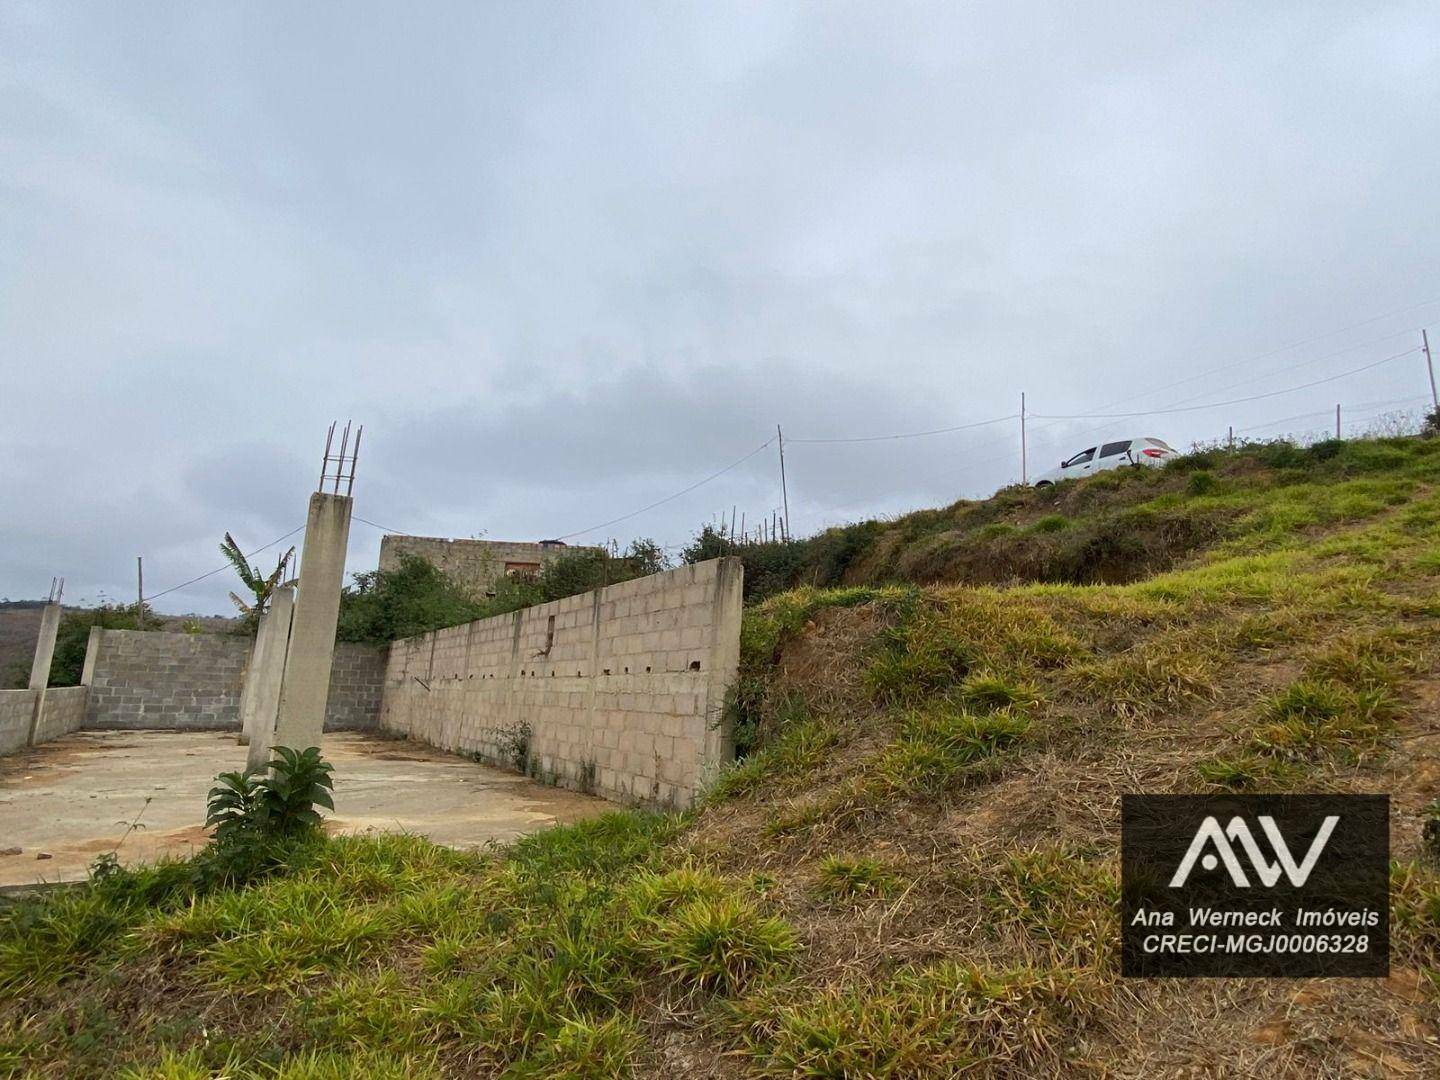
(1110, 455)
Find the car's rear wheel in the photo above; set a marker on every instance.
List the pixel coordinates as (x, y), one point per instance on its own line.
(1044, 484)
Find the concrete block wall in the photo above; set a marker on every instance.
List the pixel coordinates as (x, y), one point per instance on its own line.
(191, 682)
(63, 711)
(152, 679)
(619, 691)
(357, 677)
(16, 709)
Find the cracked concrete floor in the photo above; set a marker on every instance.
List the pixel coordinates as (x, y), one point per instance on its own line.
(73, 798)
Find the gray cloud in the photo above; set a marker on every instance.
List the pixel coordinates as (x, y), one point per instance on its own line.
(564, 260)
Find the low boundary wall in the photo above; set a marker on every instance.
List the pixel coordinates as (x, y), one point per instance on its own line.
(62, 712)
(619, 692)
(192, 682)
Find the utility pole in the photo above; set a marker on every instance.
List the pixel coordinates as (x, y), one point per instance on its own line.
(1024, 461)
(1230, 439)
(139, 592)
(1430, 366)
(1337, 420)
(784, 491)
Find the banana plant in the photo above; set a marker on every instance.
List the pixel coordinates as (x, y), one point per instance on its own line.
(261, 586)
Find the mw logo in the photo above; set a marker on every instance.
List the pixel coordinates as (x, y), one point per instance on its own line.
(1238, 832)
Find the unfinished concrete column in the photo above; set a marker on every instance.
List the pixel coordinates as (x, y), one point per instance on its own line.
(45, 647)
(40, 665)
(260, 698)
(306, 685)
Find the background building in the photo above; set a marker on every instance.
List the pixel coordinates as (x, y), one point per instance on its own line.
(476, 564)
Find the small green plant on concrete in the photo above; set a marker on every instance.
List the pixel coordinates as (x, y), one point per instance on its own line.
(281, 803)
(234, 805)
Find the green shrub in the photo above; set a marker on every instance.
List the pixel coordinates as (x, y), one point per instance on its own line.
(1051, 523)
(71, 639)
(1201, 483)
(1194, 461)
(280, 803)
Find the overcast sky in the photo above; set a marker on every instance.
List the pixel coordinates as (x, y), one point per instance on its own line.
(563, 261)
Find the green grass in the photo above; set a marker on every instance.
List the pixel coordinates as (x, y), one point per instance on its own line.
(938, 1020)
(843, 877)
(938, 747)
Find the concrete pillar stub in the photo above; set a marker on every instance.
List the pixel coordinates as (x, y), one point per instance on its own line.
(306, 686)
(45, 647)
(40, 665)
(264, 678)
(92, 653)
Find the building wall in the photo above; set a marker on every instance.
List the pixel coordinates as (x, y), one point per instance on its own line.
(474, 564)
(357, 678)
(191, 682)
(62, 713)
(619, 691)
(16, 708)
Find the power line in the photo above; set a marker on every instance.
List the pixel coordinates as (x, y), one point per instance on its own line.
(910, 434)
(376, 525)
(1234, 401)
(1273, 372)
(670, 498)
(1365, 407)
(220, 569)
(1284, 348)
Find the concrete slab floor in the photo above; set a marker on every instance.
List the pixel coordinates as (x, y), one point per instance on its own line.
(74, 798)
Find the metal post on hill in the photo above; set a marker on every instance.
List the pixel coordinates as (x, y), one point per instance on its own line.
(784, 490)
(139, 592)
(1337, 420)
(1430, 367)
(1024, 462)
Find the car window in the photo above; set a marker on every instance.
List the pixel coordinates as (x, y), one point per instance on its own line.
(1079, 459)
(1110, 449)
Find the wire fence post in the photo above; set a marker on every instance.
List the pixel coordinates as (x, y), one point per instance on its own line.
(784, 490)
(1024, 456)
(1430, 367)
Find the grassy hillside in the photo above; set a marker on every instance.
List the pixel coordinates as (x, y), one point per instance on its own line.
(1117, 527)
(914, 872)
